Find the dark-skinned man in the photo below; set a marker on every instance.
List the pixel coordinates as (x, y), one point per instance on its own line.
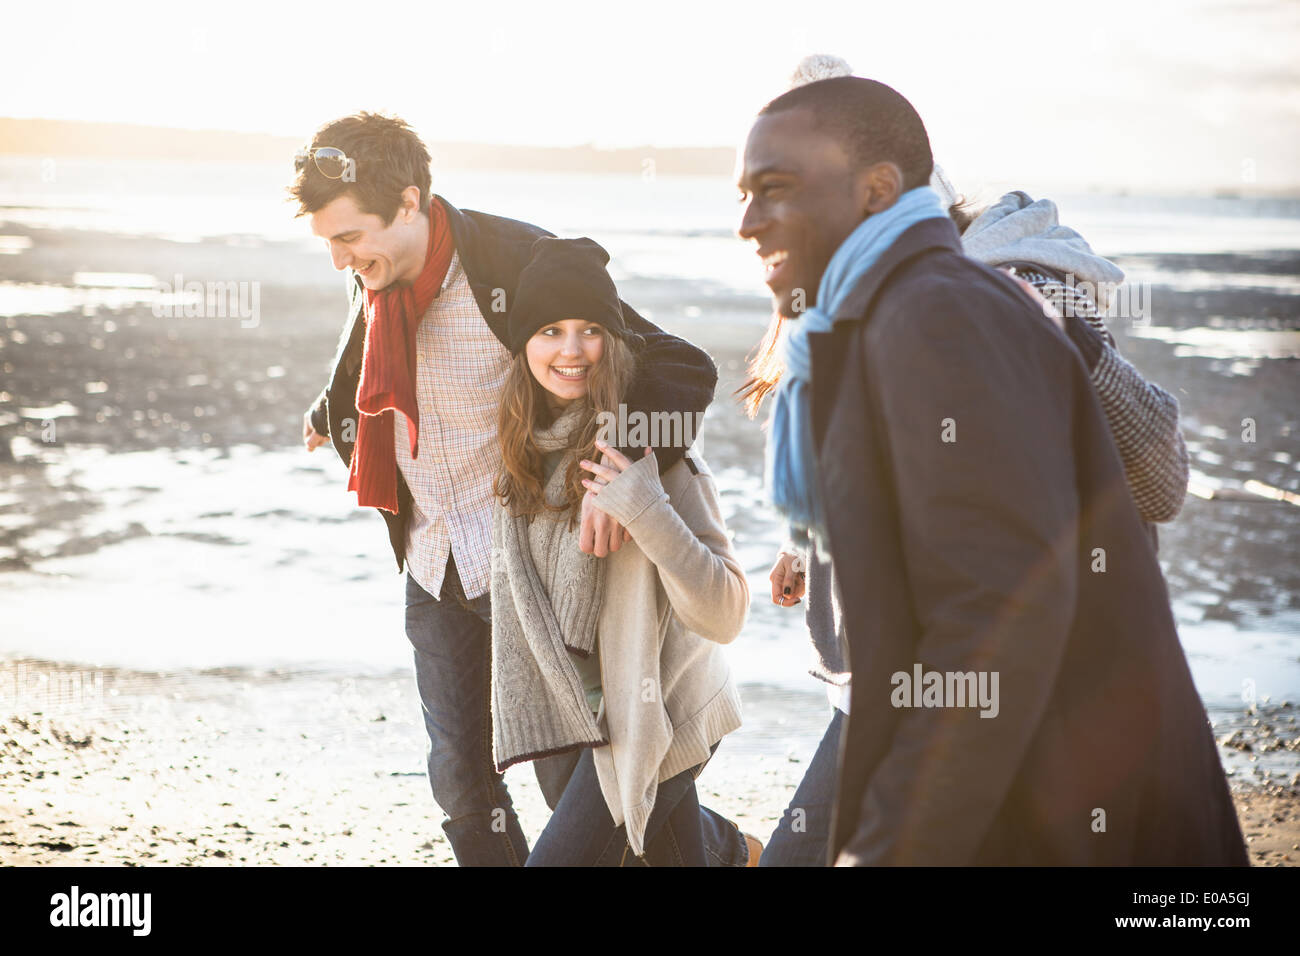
(1019, 694)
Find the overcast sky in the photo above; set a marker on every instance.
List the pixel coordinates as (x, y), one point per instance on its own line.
(1110, 92)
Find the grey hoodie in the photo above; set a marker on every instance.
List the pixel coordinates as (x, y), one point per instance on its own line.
(1019, 228)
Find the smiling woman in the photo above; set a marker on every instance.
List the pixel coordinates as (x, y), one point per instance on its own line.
(568, 337)
(578, 641)
(562, 355)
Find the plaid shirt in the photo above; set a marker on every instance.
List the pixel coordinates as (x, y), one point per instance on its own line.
(460, 371)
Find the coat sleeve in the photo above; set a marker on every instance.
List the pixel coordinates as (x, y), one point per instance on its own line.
(687, 542)
(972, 401)
(319, 419)
(1143, 420)
(672, 376)
(1143, 417)
(319, 411)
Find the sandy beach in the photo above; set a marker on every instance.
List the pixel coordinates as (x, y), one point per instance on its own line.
(139, 769)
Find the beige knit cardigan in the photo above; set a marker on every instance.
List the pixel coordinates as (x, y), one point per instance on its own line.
(673, 595)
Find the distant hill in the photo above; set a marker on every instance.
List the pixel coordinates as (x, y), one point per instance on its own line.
(64, 138)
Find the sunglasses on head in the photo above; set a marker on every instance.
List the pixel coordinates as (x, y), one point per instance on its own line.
(331, 162)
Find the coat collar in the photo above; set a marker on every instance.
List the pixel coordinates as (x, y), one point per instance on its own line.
(464, 232)
(926, 234)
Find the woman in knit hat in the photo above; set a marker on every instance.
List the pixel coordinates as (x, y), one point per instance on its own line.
(617, 659)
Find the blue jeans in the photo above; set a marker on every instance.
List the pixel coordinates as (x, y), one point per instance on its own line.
(803, 835)
(582, 833)
(452, 641)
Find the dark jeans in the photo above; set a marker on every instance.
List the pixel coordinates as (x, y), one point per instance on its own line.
(803, 835)
(581, 831)
(452, 641)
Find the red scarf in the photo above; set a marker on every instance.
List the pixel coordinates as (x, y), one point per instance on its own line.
(387, 380)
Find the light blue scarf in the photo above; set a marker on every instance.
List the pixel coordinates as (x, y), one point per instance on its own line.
(791, 462)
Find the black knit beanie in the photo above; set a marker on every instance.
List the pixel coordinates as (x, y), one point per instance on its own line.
(565, 279)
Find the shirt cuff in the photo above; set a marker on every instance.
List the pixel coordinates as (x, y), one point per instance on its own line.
(796, 543)
(632, 492)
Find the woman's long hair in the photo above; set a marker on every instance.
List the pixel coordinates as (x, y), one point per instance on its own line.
(765, 368)
(765, 365)
(520, 484)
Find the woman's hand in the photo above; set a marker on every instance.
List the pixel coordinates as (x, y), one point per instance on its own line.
(787, 579)
(600, 534)
(1037, 298)
(616, 464)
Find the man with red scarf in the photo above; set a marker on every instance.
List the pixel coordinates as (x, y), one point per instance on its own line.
(411, 408)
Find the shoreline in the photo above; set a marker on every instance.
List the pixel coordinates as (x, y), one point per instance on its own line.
(270, 768)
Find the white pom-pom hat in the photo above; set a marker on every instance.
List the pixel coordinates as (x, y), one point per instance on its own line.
(819, 66)
(826, 66)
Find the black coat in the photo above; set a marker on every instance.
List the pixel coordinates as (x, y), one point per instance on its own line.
(978, 554)
(673, 375)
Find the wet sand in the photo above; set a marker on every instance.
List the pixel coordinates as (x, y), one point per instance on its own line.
(139, 769)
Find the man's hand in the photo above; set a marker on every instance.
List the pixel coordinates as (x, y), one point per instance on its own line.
(1049, 310)
(600, 534)
(310, 436)
(787, 583)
